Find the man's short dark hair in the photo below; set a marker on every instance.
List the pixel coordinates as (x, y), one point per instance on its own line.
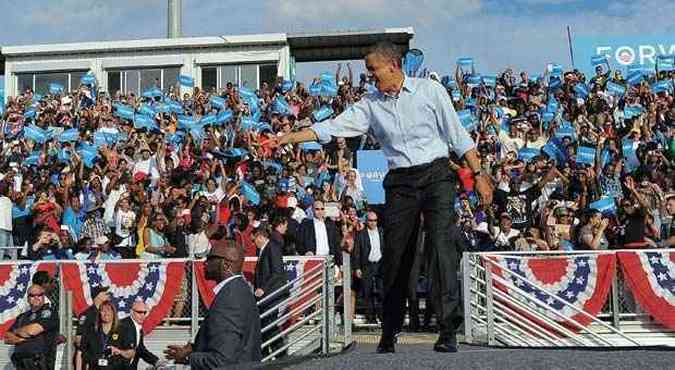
(386, 49)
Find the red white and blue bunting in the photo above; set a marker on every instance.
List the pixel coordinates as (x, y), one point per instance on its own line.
(155, 283)
(582, 281)
(651, 278)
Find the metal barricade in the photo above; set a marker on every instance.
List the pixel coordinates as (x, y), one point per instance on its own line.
(302, 311)
(499, 311)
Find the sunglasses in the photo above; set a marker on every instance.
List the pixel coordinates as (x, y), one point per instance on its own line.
(372, 220)
(318, 209)
(141, 312)
(37, 295)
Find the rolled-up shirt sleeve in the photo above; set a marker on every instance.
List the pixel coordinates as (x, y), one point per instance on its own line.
(354, 121)
(451, 128)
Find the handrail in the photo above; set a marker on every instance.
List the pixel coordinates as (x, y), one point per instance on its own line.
(537, 302)
(584, 313)
(535, 253)
(291, 283)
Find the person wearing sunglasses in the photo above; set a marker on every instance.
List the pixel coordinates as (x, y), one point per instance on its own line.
(33, 333)
(133, 327)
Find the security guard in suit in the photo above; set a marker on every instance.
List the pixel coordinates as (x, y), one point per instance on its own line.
(33, 333)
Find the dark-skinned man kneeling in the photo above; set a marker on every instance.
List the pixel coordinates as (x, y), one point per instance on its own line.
(229, 336)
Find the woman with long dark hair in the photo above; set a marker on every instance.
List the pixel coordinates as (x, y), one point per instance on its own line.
(107, 345)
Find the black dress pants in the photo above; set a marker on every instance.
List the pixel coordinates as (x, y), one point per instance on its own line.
(427, 190)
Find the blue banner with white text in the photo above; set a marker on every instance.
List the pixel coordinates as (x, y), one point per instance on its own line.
(372, 165)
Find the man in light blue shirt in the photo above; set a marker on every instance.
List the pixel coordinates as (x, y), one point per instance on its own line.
(415, 123)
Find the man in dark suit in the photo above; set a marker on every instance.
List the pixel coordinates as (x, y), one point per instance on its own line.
(134, 327)
(319, 236)
(369, 244)
(270, 276)
(229, 336)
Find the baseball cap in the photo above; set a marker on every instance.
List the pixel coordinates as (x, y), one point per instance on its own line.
(505, 215)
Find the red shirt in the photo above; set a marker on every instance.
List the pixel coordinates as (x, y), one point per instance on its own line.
(244, 239)
(466, 177)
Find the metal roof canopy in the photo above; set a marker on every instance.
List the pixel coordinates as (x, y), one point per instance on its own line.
(350, 45)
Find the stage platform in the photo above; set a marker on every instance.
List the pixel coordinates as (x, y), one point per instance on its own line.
(415, 352)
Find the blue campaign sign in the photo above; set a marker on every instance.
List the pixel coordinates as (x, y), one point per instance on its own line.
(581, 90)
(586, 155)
(606, 206)
(526, 154)
(372, 165)
(623, 51)
(615, 89)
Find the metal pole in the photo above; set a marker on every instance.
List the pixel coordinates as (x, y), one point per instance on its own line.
(569, 42)
(194, 317)
(63, 310)
(466, 295)
(324, 317)
(616, 309)
(330, 308)
(174, 15)
(68, 350)
(347, 296)
(490, 306)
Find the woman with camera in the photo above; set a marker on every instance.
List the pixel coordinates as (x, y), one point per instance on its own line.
(107, 345)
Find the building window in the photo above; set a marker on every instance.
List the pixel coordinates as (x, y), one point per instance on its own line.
(268, 74)
(229, 74)
(209, 78)
(24, 82)
(248, 75)
(137, 81)
(75, 78)
(39, 82)
(114, 82)
(170, 78)
(132, 82)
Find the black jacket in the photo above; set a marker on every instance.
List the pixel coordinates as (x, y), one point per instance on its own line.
(230, 332)
(307, 241)
(270, 274)
(142, 353)
(362, 250)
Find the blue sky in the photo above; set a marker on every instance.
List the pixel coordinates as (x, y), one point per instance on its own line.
(524, 34)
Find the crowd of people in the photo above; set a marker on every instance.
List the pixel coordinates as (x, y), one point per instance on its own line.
(579, 162)
(81, 179)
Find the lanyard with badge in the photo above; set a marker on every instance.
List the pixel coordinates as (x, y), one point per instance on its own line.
(103, 361)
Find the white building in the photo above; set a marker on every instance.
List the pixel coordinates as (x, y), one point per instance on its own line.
(134, 66)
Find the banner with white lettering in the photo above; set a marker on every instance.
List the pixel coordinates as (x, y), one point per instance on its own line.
(372, 166)
(622, 51)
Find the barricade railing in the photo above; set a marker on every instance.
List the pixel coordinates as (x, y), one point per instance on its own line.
(302, 310)
(504, 305)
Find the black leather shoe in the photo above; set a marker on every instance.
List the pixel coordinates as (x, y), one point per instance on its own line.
(445, 347)
(386, 346)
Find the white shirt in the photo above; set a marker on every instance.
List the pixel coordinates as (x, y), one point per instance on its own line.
(503, 238)
(198, 244)
(139, 329)
(125, 226)
(375, 252)
(216, 196)
(222, 284)
(321, 236)
(5, 213)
